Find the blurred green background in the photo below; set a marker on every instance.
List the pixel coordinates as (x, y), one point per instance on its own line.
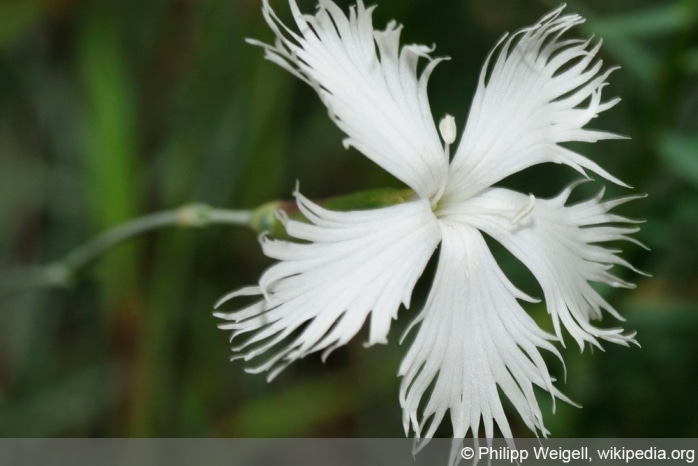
(114, 109)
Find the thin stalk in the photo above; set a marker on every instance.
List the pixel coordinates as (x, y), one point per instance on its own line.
(264, 218)
(62, 272)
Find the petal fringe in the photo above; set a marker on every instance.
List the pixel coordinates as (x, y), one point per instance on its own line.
(349, 266)
(562, 246)
(370, 86)
(474, 338)
(539, 92)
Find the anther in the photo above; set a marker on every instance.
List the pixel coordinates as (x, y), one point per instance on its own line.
(447, 128)
(523, 213)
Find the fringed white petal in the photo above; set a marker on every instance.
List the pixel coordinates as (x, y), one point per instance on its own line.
(370, 86)
(347, 267)
(474, 338)
(540, 91)
(561, 245)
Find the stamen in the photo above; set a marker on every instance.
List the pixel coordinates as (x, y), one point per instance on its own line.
(523, 213)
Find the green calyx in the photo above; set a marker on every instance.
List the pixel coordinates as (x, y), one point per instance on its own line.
(264, 217)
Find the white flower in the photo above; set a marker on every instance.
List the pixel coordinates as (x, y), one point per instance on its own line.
(535, 92)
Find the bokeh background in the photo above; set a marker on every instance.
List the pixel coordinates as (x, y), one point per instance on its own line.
(114, 109)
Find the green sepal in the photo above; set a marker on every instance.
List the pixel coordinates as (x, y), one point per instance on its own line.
(265, 218)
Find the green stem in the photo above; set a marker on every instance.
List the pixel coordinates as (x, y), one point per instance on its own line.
(62, 271)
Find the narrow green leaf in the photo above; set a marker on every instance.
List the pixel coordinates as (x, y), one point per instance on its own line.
(110, 139)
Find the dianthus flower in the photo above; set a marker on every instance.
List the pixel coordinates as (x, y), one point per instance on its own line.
(343, 268)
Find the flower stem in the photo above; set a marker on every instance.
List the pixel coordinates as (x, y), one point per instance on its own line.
(62, 272)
